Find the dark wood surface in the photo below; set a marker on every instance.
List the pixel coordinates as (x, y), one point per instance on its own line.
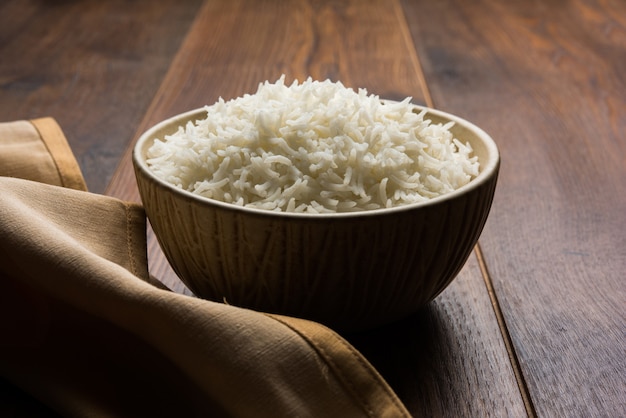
(535, 324)
(92, 65)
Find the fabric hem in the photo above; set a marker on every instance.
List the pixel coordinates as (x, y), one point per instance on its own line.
(56, 143)
(347, 381)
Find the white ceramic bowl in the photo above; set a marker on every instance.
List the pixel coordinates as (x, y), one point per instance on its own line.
(351, 271)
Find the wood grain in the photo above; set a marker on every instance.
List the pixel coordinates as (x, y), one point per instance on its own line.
(94, 66)
(448, 360)
(554, 245)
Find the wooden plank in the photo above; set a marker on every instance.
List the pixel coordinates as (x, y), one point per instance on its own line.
(547, 81)
(449, 359)
(92, 65)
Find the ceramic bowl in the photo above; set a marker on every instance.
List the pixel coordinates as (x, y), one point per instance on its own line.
(350, 271)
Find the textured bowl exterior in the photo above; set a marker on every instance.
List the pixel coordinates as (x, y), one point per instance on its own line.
(350, 271)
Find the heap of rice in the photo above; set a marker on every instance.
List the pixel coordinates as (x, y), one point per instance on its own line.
(313, 147)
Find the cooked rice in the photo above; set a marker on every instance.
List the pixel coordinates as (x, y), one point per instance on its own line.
(313, 147)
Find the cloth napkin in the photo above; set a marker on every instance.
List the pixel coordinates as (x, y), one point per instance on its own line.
(86, 332)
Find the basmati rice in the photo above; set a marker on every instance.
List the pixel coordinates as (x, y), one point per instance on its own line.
(314, 147)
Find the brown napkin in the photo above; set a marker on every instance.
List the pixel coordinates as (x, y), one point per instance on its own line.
(83, 331)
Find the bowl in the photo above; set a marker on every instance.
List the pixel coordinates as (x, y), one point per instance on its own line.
(350, 271)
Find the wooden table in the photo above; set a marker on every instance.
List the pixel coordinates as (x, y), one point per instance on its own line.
(536, 322)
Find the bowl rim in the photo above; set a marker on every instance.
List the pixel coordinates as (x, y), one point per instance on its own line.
(488, 169)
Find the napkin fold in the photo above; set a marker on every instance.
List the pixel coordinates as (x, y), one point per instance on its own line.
(84, 331)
